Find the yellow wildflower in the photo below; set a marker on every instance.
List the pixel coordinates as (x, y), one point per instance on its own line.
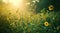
(46, 23)
(51, 7)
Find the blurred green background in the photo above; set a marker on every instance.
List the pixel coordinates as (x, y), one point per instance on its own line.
(37, 16)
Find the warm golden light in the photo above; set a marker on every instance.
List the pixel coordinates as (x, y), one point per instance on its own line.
(5, 1)
(16, 7)
(14, 2)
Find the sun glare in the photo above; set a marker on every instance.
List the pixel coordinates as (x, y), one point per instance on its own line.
(5, 1)
(14, 2)
(16, 6)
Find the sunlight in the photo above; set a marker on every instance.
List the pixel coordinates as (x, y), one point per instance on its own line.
(16, 6)
(5, 1)
(14, 2)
